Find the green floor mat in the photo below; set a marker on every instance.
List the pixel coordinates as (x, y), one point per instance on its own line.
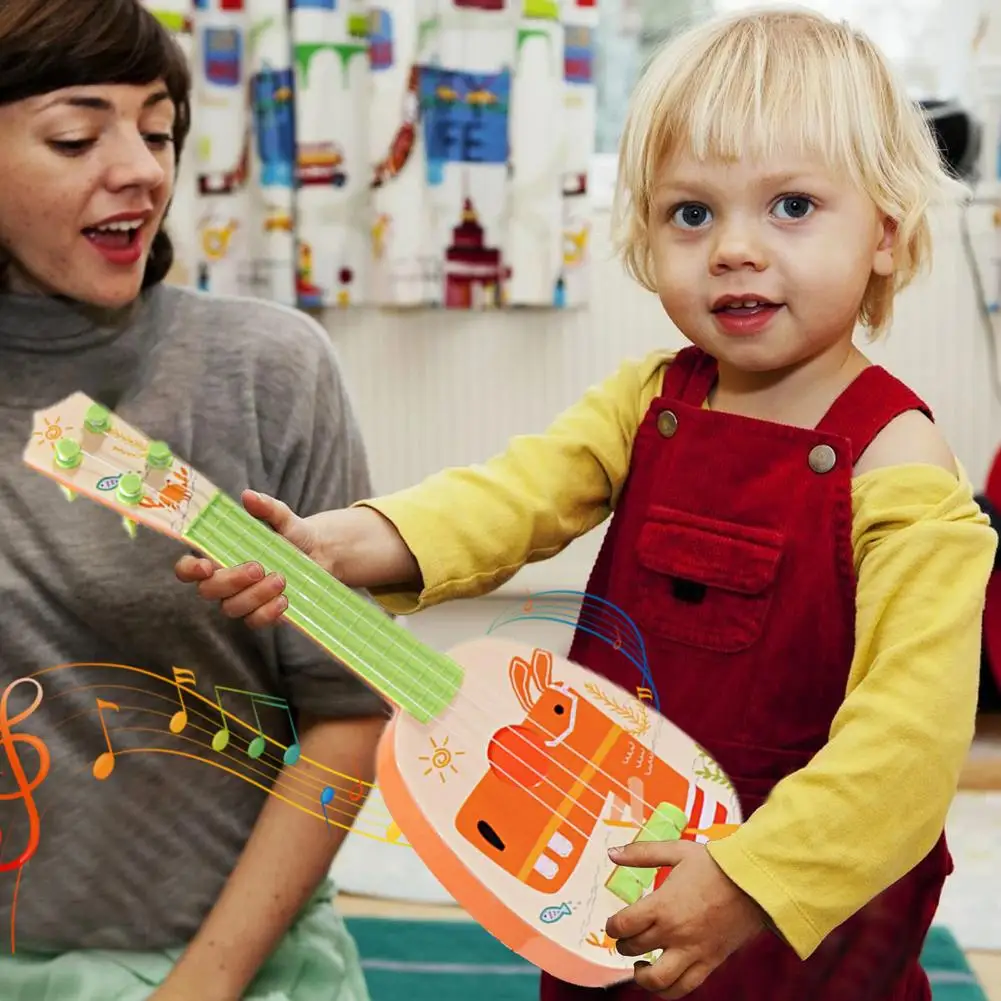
(458, 960)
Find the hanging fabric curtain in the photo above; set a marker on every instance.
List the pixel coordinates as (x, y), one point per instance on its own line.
(387, 152)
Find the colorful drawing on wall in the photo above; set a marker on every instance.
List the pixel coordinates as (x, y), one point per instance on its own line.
(274, 120)
(474, 272)
(380, 39)
(465, 118)
(480, 4)
(389, 152)
(223, 50)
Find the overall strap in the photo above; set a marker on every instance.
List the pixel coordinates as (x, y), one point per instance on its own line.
(690, 376)
(867, 405)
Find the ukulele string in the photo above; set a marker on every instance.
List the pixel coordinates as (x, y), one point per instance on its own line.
(629, 793)
(460, 696)
(391, 686)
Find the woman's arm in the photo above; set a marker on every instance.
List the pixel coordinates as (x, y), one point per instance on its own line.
(288, 854)
(314, 460)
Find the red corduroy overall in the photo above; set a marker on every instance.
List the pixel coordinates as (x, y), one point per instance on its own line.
(731, 550)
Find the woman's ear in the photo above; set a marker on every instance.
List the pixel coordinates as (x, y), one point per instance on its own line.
(885, 252)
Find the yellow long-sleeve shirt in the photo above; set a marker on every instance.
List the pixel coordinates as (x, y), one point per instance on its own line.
(873, 801)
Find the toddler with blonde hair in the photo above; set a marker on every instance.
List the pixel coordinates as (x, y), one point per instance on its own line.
(789, 529)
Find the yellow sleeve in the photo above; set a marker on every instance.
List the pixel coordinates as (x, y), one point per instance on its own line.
(473, 528)
(873, 801)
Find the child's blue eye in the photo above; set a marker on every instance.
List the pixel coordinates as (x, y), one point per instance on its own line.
(793, 207)
(691, 215)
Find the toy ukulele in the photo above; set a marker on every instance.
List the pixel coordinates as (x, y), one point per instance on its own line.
(510, 770)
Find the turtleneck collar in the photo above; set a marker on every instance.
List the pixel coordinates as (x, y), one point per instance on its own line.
(46, 323)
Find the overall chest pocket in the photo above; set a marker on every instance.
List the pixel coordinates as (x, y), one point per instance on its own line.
(703, 582)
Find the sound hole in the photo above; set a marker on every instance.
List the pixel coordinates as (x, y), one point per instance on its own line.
(490, 835)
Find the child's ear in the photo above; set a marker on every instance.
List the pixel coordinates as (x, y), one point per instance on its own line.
(883, 258)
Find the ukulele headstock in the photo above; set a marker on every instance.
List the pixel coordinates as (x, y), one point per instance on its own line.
(87, 449)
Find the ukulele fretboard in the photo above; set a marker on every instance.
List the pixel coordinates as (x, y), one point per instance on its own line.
(421, 681)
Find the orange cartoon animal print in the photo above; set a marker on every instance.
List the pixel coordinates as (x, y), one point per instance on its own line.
(551, 775)
(175, 492)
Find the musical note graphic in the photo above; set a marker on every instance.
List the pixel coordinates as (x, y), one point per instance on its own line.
(326, 797)
(591, 615)
(194, 743)
(105, 763)
(256, 747)
(24, 787)
(182, 677)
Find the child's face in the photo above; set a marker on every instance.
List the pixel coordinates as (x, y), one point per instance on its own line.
(787, 233)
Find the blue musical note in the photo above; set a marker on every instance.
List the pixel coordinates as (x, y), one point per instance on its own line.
(326, 797)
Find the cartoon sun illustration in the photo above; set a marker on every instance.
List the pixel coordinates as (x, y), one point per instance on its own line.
(53, 431)
(441, 759)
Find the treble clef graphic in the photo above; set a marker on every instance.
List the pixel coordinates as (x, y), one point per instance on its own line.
(24, 787)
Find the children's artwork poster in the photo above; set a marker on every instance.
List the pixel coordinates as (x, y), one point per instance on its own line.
(388, 153)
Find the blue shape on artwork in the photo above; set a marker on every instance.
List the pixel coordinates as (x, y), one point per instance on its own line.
(435, 172)
(560, 293)
(223, 49)
(380, 40)
(274, 117)
(314, 4)
(578, 54)
(465, 116)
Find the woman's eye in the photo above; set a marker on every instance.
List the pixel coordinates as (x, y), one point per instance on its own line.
(793, 207)
(158, 140)
(691, 215)
(71, 147)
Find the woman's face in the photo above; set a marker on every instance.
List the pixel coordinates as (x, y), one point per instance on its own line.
(87, 175)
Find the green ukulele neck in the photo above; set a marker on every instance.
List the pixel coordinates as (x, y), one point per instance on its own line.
(419, 680)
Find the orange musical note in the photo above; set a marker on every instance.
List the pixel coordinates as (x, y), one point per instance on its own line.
(182, 677)
(105, 763)
(618, 639)
(528, 606)
(358, 792)
(24, 787)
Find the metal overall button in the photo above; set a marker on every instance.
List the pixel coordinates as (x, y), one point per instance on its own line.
(667, 423)
(822, 458)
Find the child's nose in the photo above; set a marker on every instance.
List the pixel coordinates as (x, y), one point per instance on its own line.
(737, 247)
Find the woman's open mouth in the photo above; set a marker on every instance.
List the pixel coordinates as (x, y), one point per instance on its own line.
(119, 243)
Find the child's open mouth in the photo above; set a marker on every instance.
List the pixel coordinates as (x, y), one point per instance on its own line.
(747, 307)
(745, 315)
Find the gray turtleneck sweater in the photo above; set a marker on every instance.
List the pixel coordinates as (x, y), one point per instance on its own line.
(251, 395)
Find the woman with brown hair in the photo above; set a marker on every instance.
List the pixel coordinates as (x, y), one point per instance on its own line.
(170, 879)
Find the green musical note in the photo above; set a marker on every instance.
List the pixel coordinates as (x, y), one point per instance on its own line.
(257, 746)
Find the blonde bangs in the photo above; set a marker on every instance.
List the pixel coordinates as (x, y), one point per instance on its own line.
(752, 85)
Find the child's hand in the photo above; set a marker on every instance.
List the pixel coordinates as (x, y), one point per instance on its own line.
(698, 916)
(244, 591)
